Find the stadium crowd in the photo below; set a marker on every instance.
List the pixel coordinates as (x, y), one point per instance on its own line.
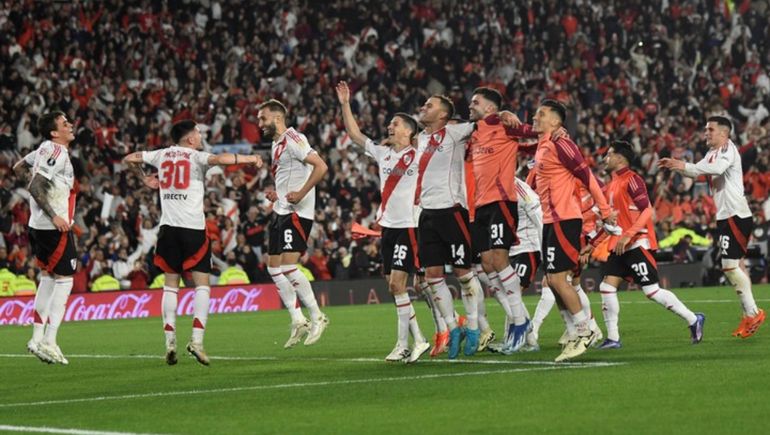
(124, 71)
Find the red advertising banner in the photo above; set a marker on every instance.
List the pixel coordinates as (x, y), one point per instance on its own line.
(144, 303)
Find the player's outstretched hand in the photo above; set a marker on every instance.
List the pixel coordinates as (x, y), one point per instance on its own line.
(613, 217)
(258, 161)
(61, 224)
(620, 247)
(559, 134)
(343, 92)
(585, 254)
(670, 163)
(294, 197)
(151, 181)
(271, 196)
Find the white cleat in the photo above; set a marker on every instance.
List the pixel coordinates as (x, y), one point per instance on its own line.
(418, 349)
(565, 338)
(197, 351)
(598, 337)
(171, 351)
(399, 353)
(487, 337)
(54, 353)
(576, 347)
(298, 332)
(531, 342)
(34, 348)
(317, 329)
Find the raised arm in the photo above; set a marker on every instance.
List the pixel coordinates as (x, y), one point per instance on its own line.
(319, 170)
(351, 126)
(235, 159)
(703, 167)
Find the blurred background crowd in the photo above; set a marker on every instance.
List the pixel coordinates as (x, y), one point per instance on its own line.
(124, 70)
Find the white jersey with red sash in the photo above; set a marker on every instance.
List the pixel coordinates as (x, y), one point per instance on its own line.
(398, 180)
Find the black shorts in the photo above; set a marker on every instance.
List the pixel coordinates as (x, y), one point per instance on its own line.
(525, 265)
(444, 238)
(498, 221)
(561, 245)
(399, 250)
(288, 233)
(637, 263)
(734, 235)
(54, 251)
(479, 239)
(181, 249)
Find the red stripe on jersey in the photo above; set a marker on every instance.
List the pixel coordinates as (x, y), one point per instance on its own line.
(463, 227)
(279, 149)
(395, 176)
(197, 257)
(566, 246)
(435, 141)
(739, 237)
(650, 258)
(298, 226)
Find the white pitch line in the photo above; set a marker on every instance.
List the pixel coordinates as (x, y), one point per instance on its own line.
(43, 429)
(700, 301)
(299, 385)
(322, 359)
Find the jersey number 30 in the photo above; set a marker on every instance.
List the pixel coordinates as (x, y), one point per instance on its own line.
(176, 173)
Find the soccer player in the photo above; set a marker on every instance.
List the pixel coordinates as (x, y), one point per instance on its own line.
(296, 168)
(493, 153)
(558, 164)
(395, 157)
(52, 203)
(722, 166)
(630, 252)
(444, 235)
(182, 244)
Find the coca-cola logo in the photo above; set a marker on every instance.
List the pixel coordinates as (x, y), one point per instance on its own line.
(125, 306)
(232, 301)
(16, 311)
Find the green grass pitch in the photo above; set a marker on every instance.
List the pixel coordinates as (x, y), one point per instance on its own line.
(658, 383)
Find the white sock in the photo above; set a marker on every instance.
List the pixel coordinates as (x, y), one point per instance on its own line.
(169, 302)
(442, 299)
(304, 290)
(581, 323)
(58, 304)
(586, 303)
(611, 310)
(287, 293)
(43, 298)
(496, 288)
(414, 327)
(200, 312)
(544, 306)
(470, 288)
(481, 307)
(512, 285)
(670, 301)
(438, 321)
(742, 285)
(483, 278)
(402, 310)
(569, 323)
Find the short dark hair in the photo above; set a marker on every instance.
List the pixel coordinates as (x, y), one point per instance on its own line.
(447, 104)
(181, 128)
(721, 120)
(410, 122)
(556, 107)
(47, 123)
(274, 105)
(492, 95)
(624, 149)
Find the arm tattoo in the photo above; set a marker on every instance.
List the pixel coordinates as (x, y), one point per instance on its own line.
(38, 188)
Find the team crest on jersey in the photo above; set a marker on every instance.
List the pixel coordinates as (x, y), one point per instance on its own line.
(407, 159)
(51, 161)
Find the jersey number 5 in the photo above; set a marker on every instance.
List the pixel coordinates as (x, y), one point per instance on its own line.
(176, 173)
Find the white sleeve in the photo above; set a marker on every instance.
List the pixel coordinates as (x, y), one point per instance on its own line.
(462, 130)
(50, 162)
(29, 159)
(152, 157)
(717, 167)
(300, 148)
(373, 149)
(201, 158)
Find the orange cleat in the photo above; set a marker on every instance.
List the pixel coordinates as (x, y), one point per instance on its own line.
(461, 321)
(440, 342)
(741, 327)
(752, 324)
